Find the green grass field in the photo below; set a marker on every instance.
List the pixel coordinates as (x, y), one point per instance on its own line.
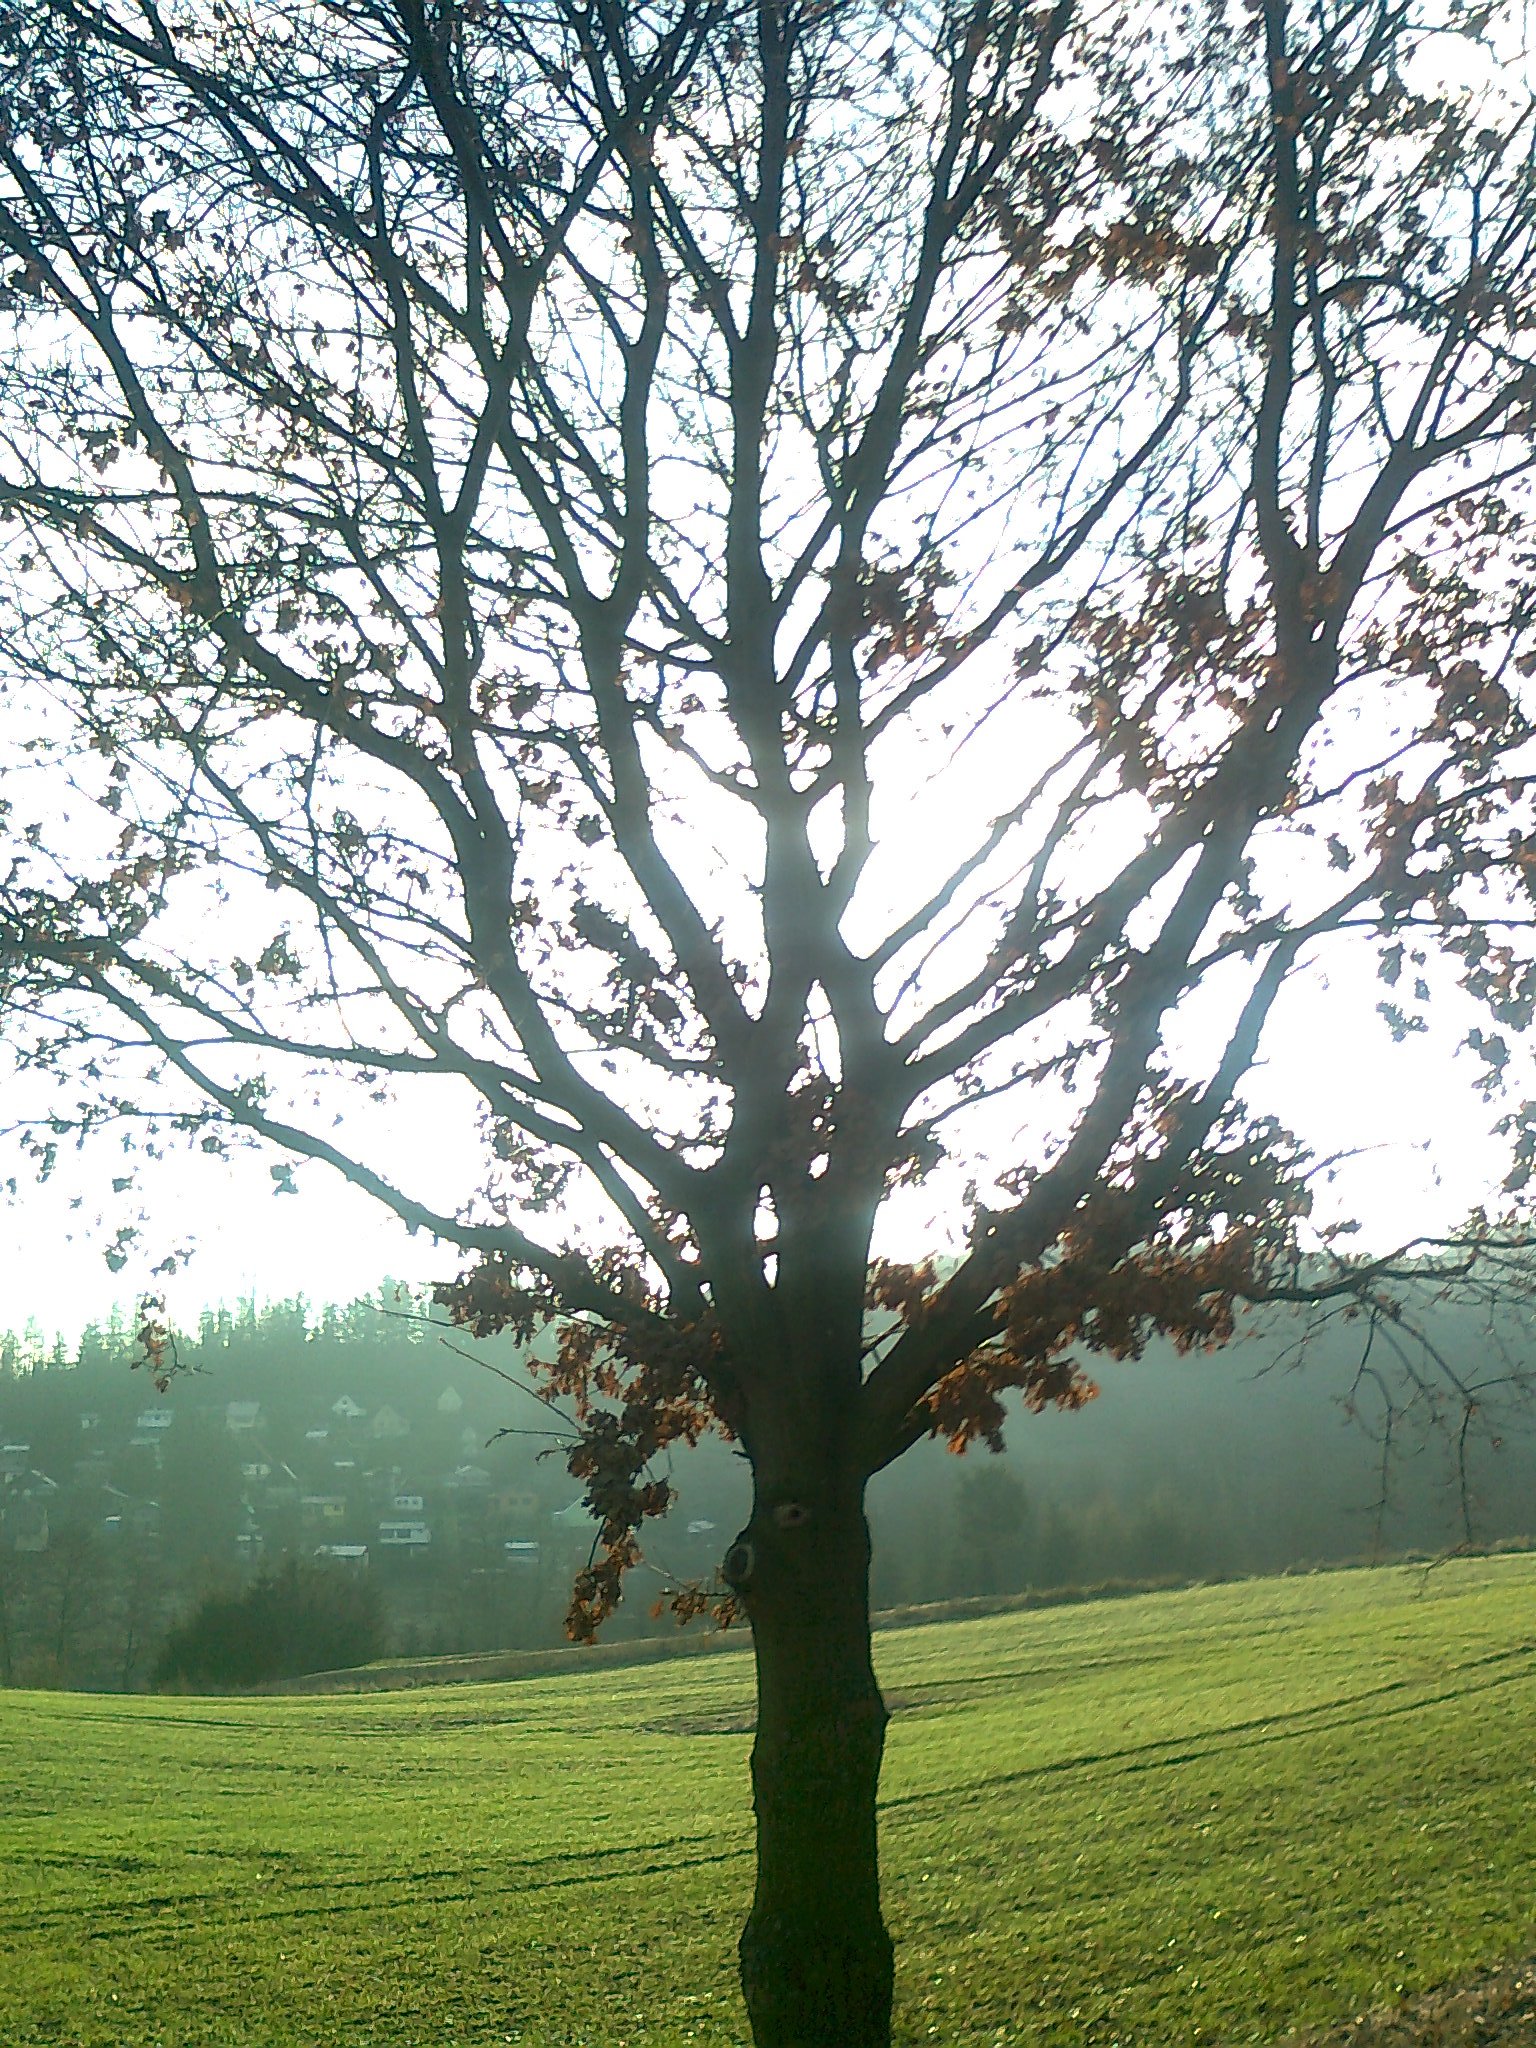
(1202, 1816)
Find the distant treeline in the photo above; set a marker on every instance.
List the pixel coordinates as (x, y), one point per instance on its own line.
(1295, 1445)
(288, 1430)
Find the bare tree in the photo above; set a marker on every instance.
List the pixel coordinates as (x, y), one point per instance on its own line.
(136, 1599)
(536, 489)
(70, 1600)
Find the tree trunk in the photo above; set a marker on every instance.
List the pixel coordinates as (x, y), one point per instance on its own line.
(816, 1960)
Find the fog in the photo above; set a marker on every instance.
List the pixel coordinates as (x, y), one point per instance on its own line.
(376, 1436)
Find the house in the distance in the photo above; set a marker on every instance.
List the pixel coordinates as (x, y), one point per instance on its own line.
(26, 1525)
(142, 1517)
(517, 1504)
(283, 1491)
(388, 1425)
(24, 1506)
(348, 1410)
(242, 1416)
(449, 1401)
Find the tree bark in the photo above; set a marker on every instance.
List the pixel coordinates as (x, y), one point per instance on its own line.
(816, 1960)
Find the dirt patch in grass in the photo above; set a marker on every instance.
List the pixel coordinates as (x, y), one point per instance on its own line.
(1494, 2010)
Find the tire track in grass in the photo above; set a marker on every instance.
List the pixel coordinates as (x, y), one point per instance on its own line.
(1320, 1716)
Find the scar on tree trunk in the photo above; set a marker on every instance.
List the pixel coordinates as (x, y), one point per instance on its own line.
(816, 1959)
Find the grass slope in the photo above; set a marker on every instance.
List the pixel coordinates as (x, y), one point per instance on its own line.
(1201, 1816)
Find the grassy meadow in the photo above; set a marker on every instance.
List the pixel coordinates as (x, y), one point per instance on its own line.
(1202, 1816)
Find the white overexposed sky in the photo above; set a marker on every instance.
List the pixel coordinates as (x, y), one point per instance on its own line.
(1419, 1135)
(1329, 1070)
(1423, 1153)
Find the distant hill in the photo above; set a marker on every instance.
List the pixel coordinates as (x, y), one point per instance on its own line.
(378, 1435)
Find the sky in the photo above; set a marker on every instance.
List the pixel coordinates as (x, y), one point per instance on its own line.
(1329, 1069)
(1420, 1153)
(1418, 1138)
